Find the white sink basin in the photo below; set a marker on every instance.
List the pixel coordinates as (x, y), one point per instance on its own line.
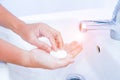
(4, 73)
(106, 61)
(92, 63)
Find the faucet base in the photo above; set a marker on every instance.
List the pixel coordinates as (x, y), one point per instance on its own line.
(115, 35)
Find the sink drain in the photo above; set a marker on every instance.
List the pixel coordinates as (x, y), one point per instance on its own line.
(75, 77)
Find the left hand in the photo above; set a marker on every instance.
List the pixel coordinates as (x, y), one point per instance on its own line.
(31, 33)
(42, 59)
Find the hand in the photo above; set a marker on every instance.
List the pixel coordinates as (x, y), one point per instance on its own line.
(31, 33)
(73, 48)
(42, 59)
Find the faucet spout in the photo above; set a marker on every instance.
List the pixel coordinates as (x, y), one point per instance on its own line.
(95, 25)
(101, 25)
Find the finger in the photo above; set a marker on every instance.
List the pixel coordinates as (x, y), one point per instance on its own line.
(42, 45)
(59, 40)
(71, 46)
(76, 51)
(66, 47)
(53, 43)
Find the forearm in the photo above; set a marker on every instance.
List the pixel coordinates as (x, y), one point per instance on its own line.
(12, 54)
(9, 21)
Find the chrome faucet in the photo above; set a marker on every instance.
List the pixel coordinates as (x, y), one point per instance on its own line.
(112, 25)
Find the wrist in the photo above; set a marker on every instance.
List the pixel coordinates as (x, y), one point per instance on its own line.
(17, 26)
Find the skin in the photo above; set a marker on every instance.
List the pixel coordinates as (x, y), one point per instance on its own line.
(39, 57)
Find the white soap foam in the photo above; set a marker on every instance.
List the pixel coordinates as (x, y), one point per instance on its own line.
(59, 53)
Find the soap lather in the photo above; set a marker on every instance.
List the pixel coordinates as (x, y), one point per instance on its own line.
(59, 53)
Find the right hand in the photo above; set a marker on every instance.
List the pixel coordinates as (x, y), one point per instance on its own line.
(31, 33)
